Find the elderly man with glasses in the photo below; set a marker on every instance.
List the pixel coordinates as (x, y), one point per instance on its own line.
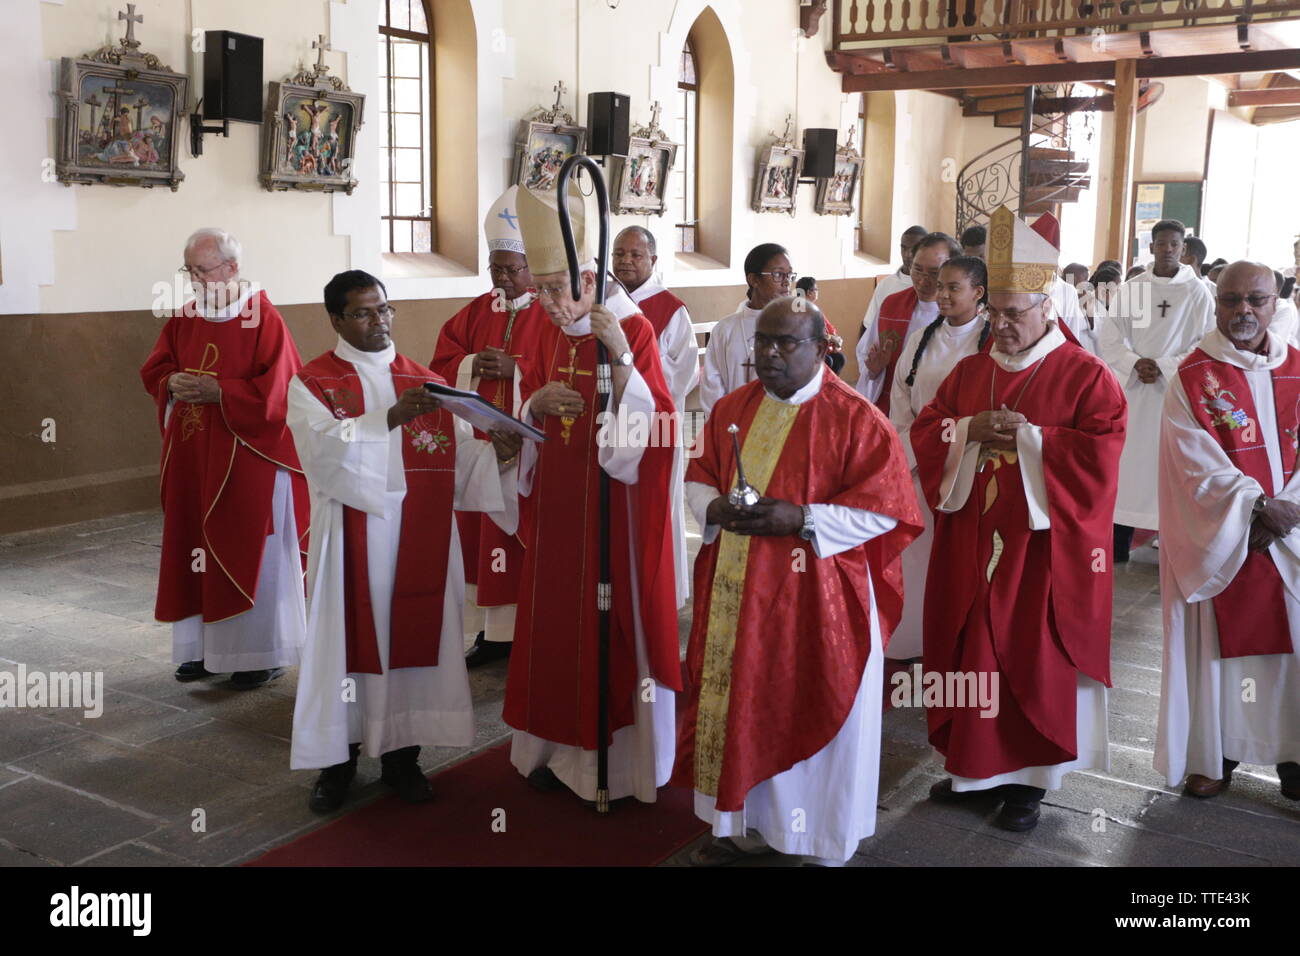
(798, 588)
(234, 501)
(1230, 558)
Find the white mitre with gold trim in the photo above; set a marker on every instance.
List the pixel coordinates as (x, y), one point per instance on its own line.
(501, 224)
(539, 221)
(1019, 259)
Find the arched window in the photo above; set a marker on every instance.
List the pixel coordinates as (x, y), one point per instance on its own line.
(684, 195)
(406, 124)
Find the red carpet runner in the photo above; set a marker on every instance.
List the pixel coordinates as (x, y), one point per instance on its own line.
(456, 829)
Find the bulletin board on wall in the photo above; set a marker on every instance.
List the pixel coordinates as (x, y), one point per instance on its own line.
(1153, 201)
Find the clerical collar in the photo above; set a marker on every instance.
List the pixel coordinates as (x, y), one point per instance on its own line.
(1218, 346)
(652, 286)
(804, 394)
(1051, 339)
(230, 311)
(523, 301)
(357, 357)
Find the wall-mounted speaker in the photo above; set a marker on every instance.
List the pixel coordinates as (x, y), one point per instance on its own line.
(818, 153)
(232, 76)
(607, 123)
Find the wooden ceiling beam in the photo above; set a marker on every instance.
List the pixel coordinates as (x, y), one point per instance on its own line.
(1279, 96)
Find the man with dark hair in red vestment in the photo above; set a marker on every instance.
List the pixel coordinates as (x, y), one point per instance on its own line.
(1018, 455)
(795, 598)
(551, 691)
(235, 509)
(485, 347)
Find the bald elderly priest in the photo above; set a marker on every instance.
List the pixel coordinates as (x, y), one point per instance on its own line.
(1018, 455)
(551, 690)
(383, 668)
(484, 347)
(234, 501)
(1229, 555)
(795, 598)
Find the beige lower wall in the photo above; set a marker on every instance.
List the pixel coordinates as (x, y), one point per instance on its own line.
(81, 370)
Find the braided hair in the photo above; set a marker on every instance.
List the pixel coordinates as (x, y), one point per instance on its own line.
(978, 273)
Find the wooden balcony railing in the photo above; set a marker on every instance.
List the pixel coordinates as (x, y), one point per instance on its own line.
(858, 21)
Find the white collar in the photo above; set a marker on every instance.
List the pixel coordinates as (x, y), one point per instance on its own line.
(616, 300)
(804, 394)
(1185, 273)
(522, 302)
(379, 359)
(1051, 339)
(652, 286)
(961, 331)
(1218, 346)
(231, 310)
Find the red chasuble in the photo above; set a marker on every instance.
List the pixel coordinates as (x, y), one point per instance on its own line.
(468, 332)
(429, 461)
(802, 637)
(894, 319)
(659, 308)
(219, 460)
(1251, 611)
(1032, 606)
(551, 691)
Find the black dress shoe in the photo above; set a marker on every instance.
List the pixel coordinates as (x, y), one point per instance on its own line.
(485, 651)
(192, 670)
(1290, 774)
(545, 780)
(1020, 808)
(247, 680)
(402, 773)
(332, 785)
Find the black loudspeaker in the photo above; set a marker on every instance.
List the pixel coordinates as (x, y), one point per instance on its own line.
(232, 76)
(607, 124)
(818, 153)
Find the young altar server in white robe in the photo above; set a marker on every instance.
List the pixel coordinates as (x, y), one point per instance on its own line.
(886, 286)
(634, 256)
(925, 361)
(1154, 322)
(782, 756)
(729, 358)
(1229, 557)
(383, 666)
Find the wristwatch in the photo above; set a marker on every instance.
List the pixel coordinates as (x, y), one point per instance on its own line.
(807, 531)
(1260, 502)
(625, 359)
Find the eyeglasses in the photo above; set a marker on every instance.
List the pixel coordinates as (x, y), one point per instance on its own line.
(199, 271)
(553, 291)
(1257, 300)
(925, 273)
(365, 315)
(510, 271)
(1011, 315)
(785, 344)
(780, 276)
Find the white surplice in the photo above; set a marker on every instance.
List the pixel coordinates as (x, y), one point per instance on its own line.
(1205, 510)
(270, 633)
(362, 467)
(1065, 299)
(836, 787)
(947, 346)
(1090, 335)
(885, 287)
(871, 387)
(1286, 322)
(1091, 735)
(1136, 329)
(731, 347)
(681, 363)
(640, 756)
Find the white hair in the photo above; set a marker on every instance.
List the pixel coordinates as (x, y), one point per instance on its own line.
(227, 245)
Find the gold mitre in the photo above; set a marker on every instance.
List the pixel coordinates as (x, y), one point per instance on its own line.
(1019, 259)
(539, 221)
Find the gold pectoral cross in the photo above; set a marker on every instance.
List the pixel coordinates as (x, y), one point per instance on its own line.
(566, 421)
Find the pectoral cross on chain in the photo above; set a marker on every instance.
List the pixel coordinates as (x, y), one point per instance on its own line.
(1163, 307)
(566, 421)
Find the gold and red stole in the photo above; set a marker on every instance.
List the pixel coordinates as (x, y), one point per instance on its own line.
(893, 322)
(429, 462)
(780, 638)
(219, 460)
(1249, 610)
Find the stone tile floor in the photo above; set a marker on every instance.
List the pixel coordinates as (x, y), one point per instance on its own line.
(126, 788)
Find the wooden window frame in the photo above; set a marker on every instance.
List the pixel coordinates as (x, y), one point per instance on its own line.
(427, 150)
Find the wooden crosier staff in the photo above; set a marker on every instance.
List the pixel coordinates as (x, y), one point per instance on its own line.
(604, 386)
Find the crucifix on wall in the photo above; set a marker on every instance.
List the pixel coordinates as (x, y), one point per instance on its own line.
(131, 18)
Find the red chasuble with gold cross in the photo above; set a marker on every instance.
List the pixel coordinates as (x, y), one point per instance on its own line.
(493, 559)
(1033, 607)
(551, 691)
(219, 460)
(780, 637)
